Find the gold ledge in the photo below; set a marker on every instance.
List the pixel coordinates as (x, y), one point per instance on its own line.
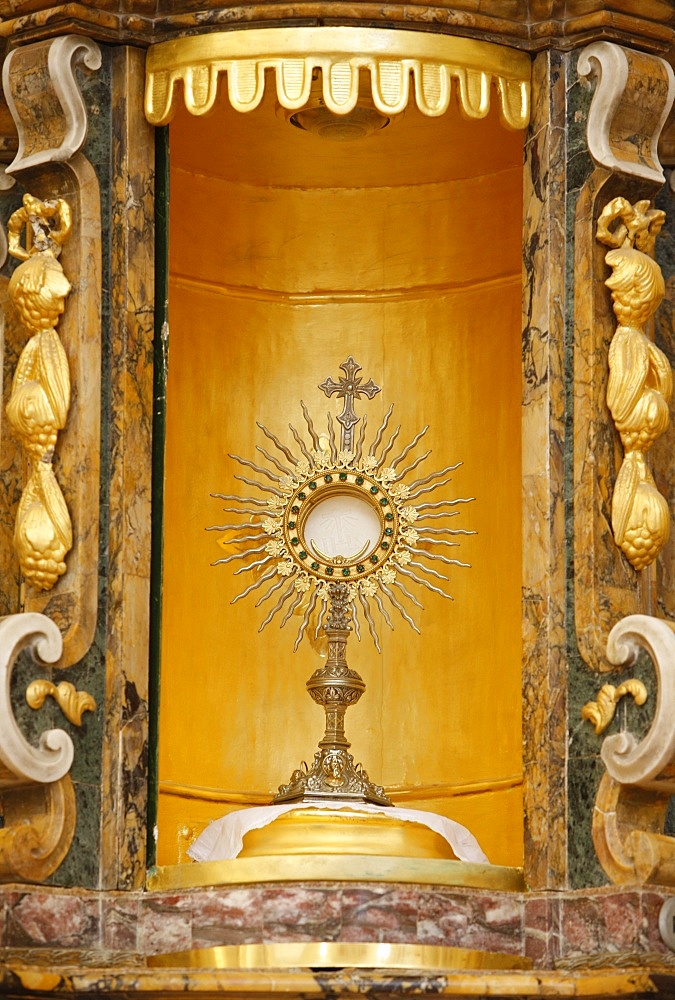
(388, 55)
(334, 868)
(337, 955)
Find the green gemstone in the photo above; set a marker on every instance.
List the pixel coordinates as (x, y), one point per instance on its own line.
(329, 570)
(374, 489)
(359, 480)
(294, 541)
(385, 545)
(384, 501)
(312, 486)
(345, 571)
(389, 516)
(314, 566)
(291, 525)
(389, 531)
(295, 510)
(302, 496)
(360, 568)
(373, 558)
(343, 476)
(328, 479)
(302, 555)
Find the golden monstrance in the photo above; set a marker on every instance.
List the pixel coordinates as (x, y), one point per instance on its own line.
(340, 532)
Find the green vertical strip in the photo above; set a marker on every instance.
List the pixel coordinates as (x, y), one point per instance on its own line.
(161, 357)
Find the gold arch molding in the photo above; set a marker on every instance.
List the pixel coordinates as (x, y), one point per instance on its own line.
(393, 59)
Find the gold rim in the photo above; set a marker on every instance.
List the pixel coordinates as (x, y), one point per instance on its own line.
(337, 955)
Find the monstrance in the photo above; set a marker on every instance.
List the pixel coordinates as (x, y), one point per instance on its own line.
(337, 530)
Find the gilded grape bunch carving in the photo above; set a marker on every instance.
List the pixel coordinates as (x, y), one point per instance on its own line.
(640, 376)
(40, 397)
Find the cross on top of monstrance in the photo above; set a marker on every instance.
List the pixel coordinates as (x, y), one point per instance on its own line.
(348, 388)
(338, 532)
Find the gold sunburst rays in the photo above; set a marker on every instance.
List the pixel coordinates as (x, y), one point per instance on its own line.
(328, 513)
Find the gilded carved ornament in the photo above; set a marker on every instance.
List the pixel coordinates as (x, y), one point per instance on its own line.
(40, 397)
(601, 711)
(73, 703)
(388, 56)
(640, 377)
(634, 794)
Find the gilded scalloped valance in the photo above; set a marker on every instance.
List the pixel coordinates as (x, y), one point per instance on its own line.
(396, 62)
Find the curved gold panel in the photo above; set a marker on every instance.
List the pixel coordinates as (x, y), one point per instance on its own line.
(338, 954)
(341, 53)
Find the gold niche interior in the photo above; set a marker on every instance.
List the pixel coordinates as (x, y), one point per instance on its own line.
(290, 250)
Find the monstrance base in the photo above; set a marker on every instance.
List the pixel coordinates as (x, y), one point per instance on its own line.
(333, 777)
(344, 831)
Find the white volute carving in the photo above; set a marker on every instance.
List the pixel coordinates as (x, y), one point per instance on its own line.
(609, 123)
(20, 762)
(627, 761)
(64, 54)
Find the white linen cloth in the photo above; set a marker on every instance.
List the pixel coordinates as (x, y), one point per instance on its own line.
(224, 838)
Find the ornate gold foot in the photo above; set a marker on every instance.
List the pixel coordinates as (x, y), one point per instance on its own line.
(333, 774)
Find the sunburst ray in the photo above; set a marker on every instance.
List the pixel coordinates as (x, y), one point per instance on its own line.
(383, 611)
(310, 426)
(355, 621)
(331, 439)
(399, 607)
(362, 437)
(277, 444)
(408, 448)
(424, 583)
(254, 586)
(404, 590)
(232, 496)
(439, 557)
(390, 445)
(369, 618)
(261, 486)
(238, 555)
(410, 468)
(275, 461)
(378, 437)
(278, 606)
(252, 566)
(281, 580)
(429, 570)
(430, 489)
(256, 468)
(291, 608)
(434, 475)
(306, 619)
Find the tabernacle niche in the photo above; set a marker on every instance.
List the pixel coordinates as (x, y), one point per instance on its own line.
(288, 252)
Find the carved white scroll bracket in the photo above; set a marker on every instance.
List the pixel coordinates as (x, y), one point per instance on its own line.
(21, 763)
(53, 64)
(643, 763)
(613, 141)
(632, 801)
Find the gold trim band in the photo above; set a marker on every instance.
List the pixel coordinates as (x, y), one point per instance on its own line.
(337, 955)
(397, 793)
(336, 868)
(389, 56)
